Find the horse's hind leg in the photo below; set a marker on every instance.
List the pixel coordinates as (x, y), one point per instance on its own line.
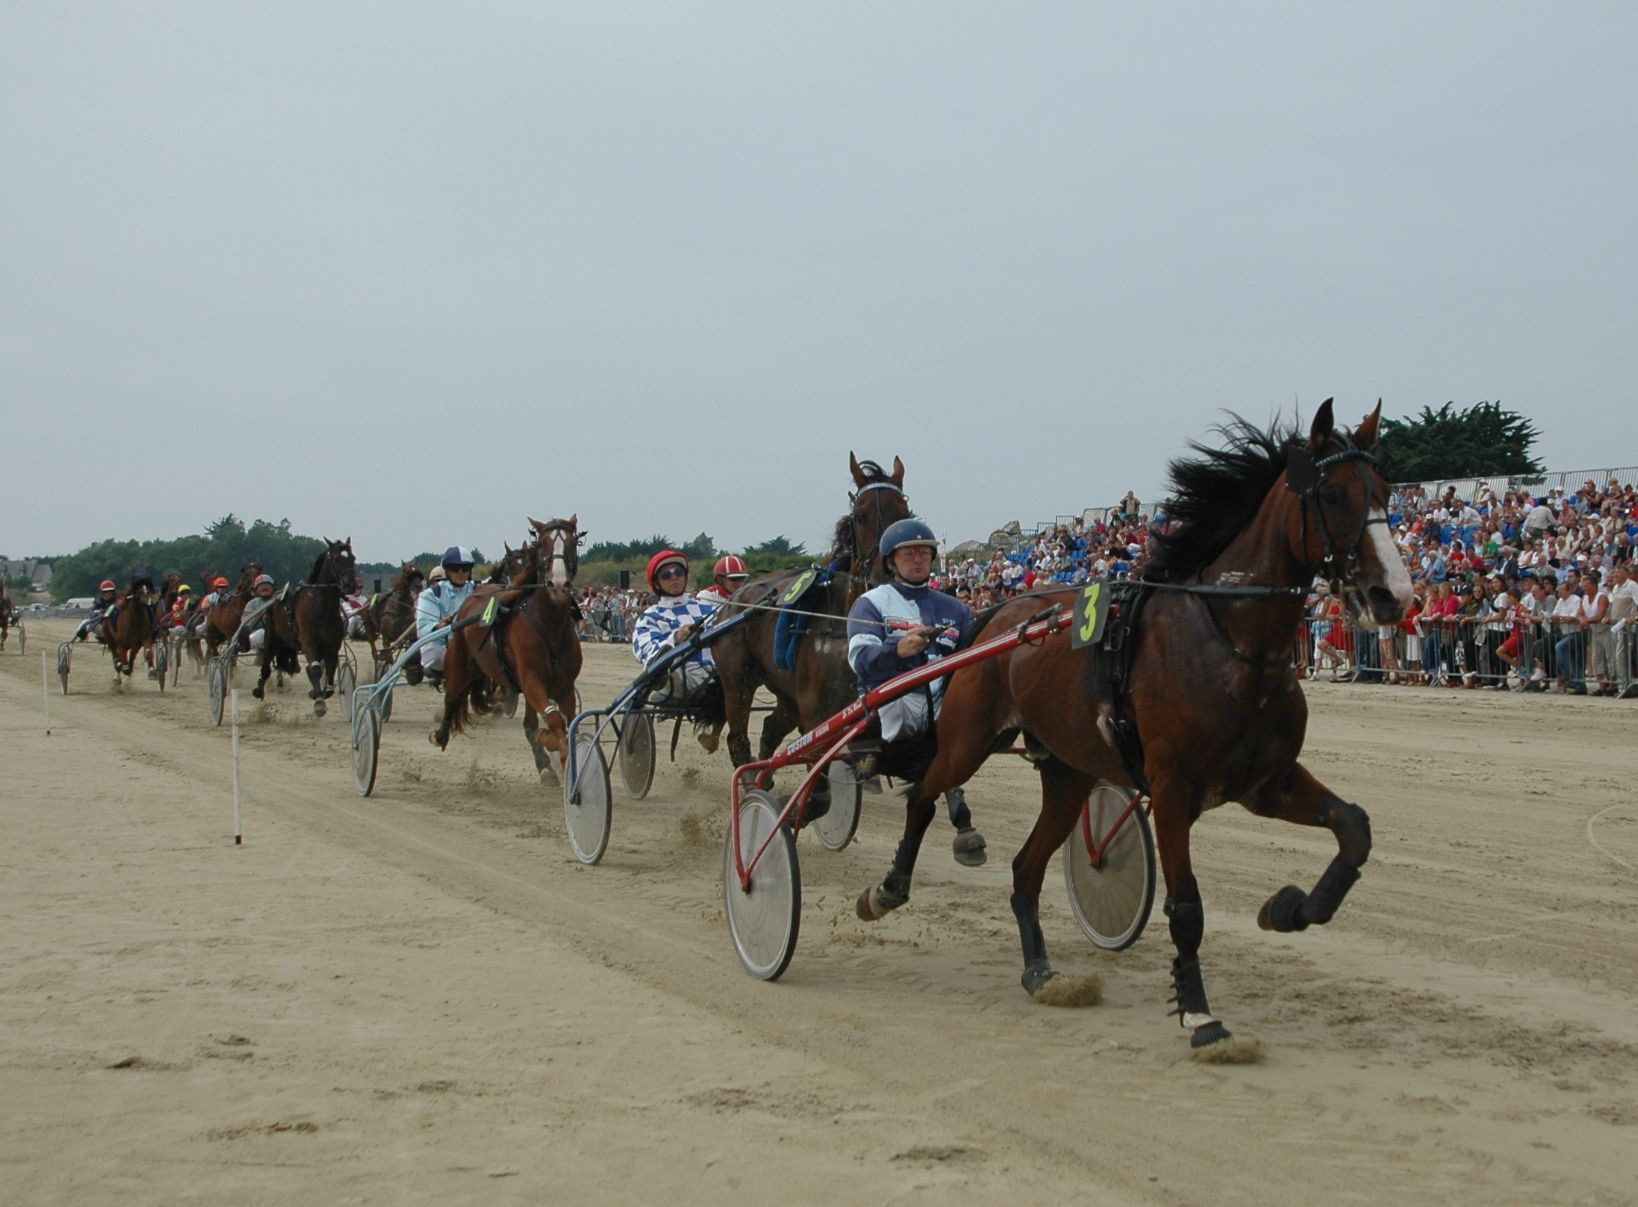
(1299, 798)
(1063, 792)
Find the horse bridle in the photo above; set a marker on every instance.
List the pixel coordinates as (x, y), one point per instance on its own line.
(880, 527)
(1305, 476)
(564, 538)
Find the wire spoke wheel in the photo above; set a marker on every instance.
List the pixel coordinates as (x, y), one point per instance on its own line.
(65, 659)
(366, 749)
(346, 684)
(586, 806)
(218, 689)
(636, 754)
(836, 828)
(1111, 898)
(763, 919)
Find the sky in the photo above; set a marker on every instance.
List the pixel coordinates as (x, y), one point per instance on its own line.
(412, 272)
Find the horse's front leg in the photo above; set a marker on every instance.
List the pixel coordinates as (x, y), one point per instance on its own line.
(1299, 798)
(1173, 807)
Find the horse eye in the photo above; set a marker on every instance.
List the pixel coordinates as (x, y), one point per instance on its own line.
(1331, 497)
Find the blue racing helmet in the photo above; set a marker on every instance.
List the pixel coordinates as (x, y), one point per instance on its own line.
(458, 555)
(905, 532)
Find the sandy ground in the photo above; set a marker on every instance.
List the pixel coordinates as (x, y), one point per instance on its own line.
(422, 997)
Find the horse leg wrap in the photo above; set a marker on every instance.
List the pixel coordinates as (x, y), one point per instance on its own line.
(1037, 968)
(955, 800)
(315, 673)
(1352, 827)
(1333, 886)
(1193, 1012)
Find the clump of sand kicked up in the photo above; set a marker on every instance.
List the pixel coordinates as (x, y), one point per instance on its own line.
(1061, 990)
(1230, 1051)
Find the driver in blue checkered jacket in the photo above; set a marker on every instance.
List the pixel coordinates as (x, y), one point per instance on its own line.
(668, 624)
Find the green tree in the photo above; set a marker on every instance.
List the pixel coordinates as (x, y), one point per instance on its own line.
(1485, 440)
(777, 547)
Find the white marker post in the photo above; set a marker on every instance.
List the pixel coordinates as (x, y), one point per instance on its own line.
(238, 828)
(45, 690)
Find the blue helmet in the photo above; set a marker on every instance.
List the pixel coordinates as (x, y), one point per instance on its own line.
(458, 555)
(905, 532)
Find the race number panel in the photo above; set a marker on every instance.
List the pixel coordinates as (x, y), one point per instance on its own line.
(763, 920)
(1111, 898)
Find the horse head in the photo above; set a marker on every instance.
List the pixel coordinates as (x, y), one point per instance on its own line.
(559, 543)
(336, 564)
(878, 500)
(1341, 520)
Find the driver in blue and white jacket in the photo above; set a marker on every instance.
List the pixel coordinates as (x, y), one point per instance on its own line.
(897, 627)
(436, 607)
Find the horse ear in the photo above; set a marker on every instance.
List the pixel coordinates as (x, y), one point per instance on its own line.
(898, 472)
(534, 523)
(853, 464)
(574, 522)
(1324, 425)
(1367, 433)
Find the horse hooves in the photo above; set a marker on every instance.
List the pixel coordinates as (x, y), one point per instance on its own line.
(549, 776)
(1035, 976)
(1211, 1033)
(257, 692)
(969, 848)
(1283, 911)
(320, 708)
(877, 902)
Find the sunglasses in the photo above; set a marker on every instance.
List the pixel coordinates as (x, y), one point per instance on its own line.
(672, 572)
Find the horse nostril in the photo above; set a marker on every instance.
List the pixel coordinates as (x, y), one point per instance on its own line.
(1383, 601)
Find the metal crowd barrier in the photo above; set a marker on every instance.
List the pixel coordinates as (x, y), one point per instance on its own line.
(1470, 652)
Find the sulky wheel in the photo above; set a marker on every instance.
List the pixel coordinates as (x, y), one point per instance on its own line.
(763, 920)
(65, 658)
(636, 754)
(836, 828)
(366, 749)
(162, 662)
(218, 689)
(22, 638)
(586, 808)
(346, 683)
(1111, 899)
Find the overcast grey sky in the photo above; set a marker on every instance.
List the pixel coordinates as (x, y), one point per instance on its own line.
(411, 271)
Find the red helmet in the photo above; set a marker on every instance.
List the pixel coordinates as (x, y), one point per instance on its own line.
(730, 567)
(106, 584)
(664, 557)
(220, 583)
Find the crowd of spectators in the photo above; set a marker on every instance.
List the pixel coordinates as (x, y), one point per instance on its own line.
(1516, 589)
(1112, 546)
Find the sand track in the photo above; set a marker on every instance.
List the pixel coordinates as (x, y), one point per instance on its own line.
(421, 996)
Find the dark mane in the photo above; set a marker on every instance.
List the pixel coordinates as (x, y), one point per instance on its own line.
(318, 564)
(841, 545)
(1215, 496)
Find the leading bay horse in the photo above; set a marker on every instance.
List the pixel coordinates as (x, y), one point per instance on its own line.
(321, 626)
(1205, 701)
(528, 645)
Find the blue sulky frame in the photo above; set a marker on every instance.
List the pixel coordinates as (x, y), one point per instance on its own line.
(370, 703)
(586, 787)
